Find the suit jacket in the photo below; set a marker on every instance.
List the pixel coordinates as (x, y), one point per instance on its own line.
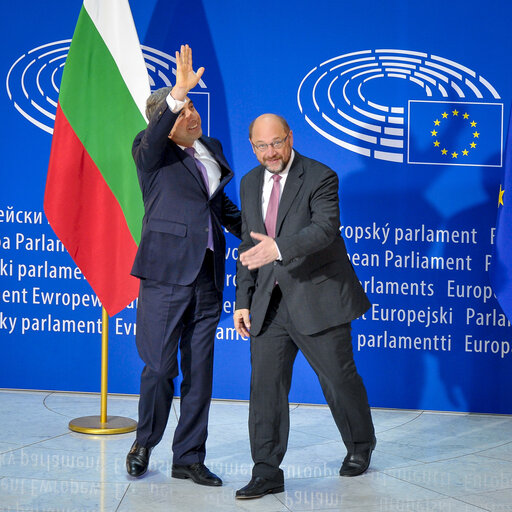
(317, 280)
(177, 206)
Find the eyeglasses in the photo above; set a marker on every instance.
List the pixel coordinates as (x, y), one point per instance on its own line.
(277, 144)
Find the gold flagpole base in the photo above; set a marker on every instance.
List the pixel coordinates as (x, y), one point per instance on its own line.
(94, 425)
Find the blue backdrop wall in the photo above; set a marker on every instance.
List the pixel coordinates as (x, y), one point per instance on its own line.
(407, 101)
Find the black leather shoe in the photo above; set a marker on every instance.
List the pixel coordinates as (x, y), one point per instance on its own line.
(258, 487)
(137, 460)
(198, 472)
(357, 463)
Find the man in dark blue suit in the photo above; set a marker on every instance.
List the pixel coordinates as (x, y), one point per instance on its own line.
(180, 262)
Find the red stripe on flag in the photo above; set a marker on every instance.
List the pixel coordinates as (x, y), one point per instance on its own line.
(87, 218)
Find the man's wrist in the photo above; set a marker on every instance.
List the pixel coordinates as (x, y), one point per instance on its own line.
(179, 93)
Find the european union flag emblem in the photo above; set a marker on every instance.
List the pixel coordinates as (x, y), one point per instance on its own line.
(455, 133)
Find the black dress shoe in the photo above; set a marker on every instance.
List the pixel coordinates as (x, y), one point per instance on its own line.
(137, 460)
(258, 487)
(357, 463)
(198, 472)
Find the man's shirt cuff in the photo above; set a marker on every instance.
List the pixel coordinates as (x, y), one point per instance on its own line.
(279, 257)
(174, 105)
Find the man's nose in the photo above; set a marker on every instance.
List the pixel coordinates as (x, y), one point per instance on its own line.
(270, 151)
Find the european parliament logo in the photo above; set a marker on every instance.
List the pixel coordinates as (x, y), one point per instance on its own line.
(405, 107)
(33, 82)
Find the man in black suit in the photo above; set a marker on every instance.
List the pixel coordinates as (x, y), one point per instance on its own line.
(180, 262)
(296, 290)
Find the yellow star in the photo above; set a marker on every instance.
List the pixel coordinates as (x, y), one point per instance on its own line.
(465, 152)
(500, 197)
(476, 134)
(473, 124)
(437, 122)
(436, 143)
(434, 133)
(455, 112)
(444, 151)
(445, 115)
(473, 145)
(465, 116)
(455, 155)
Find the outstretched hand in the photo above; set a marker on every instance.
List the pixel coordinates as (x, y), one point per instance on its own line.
(262, 253)
(186, 77)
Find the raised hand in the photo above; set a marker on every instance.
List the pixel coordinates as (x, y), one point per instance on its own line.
(186, 77)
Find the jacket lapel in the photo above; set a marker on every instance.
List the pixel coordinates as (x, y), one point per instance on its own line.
(225, 171)
(213, 150)
(253, 201)
(191, 166)
(291, 189)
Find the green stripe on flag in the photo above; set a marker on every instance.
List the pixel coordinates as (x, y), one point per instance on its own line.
(104, 116)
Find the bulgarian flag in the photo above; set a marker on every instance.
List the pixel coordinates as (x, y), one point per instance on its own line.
(92, 198)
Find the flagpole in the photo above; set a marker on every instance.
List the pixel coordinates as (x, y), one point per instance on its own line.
(103, 424)
(104, 365)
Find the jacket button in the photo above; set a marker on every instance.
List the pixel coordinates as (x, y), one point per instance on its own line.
(206, 229)
(275, 263)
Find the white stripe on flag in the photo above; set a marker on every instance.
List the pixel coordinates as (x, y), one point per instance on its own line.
(114, 22)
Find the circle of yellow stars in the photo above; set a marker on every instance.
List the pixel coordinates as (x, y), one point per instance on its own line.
(437, 143)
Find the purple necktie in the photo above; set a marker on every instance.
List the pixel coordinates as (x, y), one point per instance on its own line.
(204, 174)
(273, 206)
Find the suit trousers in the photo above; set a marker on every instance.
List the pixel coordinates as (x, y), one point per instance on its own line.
(330, 355)
(169, 316)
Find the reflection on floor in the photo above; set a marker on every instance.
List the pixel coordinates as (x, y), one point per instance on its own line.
(423, 462)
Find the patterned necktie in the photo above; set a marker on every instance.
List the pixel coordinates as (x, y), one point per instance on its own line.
(273, 206)
(204, 174)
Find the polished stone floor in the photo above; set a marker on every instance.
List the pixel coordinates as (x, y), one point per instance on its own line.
(423, 462)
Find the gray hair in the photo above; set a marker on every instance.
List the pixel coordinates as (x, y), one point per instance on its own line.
(155, 99)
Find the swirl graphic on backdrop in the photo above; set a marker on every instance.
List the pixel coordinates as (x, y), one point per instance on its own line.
(33, 83)
(33, 80)
(367, 102)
